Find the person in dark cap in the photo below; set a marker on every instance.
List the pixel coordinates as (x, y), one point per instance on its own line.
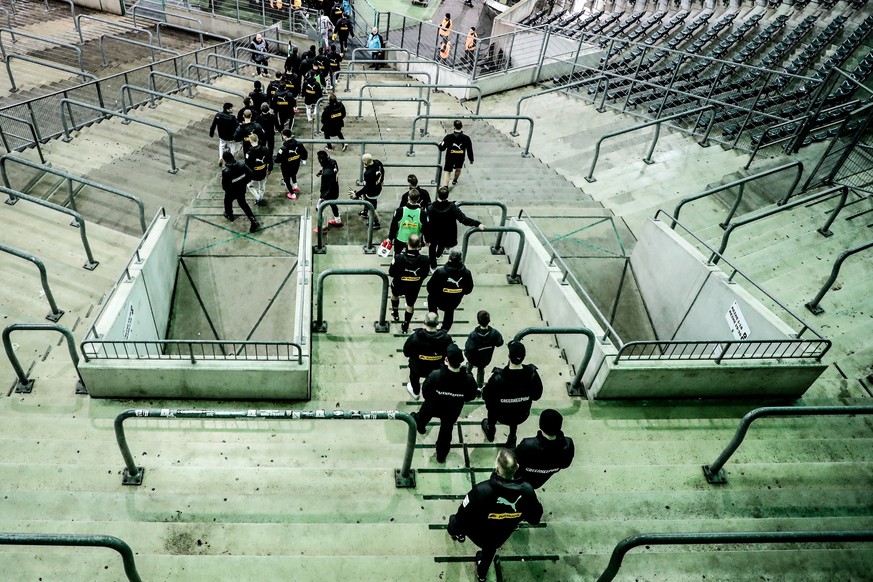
(480, 345)
(447, 286)
(542, 456)
(426, 349)
(509, 393)
(445, 390)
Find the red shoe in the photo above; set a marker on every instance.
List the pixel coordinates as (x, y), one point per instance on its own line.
(292, 195)
(315, 230)
(335, 222)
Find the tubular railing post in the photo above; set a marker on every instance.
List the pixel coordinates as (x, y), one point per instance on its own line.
(576, 387)
(714, 473)
(525, 152)
(735, 206)
(24, 384)
(513, 278)
(381, 326)
(813, 305)
(514, 132)
(132, 474)
(77, 540)
(497, 249)
(648, 159)
(369, 249)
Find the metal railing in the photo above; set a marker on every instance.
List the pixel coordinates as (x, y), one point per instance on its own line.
(576, 387)
(50, 64)
(422, 86)
(190, 83)
(199, 33)
(44, 39)
(9, 23)
(77, 540)
(514, 131)
(824, 230)
(111, 23)
(198, 350)
(497, 249)
(151, 47)
(813, 305)
(112, 113)
(715, 474)
(320, 248)
(70, 179)
(136, 7)
(752, 537)
(55, 313)
(797, 166)
(160, 95)
(4, 132)
(525, 153)
(349, 74)
(237, 61)
(133, 475)
(657, 123)
(23, 384)
(513, 278)
(718, 350)
(78, 221)
(381, 326)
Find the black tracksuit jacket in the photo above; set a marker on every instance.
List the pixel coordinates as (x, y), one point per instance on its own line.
(449, 284)
(426, 350)
(539, 458)
(509, 393)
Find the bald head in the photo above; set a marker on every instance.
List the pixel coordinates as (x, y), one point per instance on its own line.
(506, 464)
(413, 242)
(431, 320)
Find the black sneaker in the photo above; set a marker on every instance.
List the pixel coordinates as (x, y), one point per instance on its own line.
(510, 442)
(420, 430)
(376, 226)
(454, 182)
(255, 226)
(363, 214)
(230, 217)
(261, 202)
(404, 327)
(489, 433)
(395, 315)
(481, 577)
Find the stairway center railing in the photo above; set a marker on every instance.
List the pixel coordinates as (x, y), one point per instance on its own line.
(24, 384)
(77, 540)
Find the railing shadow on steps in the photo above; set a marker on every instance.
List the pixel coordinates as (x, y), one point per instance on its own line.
(752, 537)
(49, 64)
(45, 39)
(813, 305)
(715, 474)
(71, 194)
(133, 475)
(380, 326)
(77, 540)
(78, 221)
(55, 314)
(5, 134)
(23, 384)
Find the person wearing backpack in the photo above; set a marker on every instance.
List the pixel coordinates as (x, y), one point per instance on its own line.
(509, 394)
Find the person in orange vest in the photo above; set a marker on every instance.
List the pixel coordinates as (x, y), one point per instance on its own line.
(446, 26)
(470, 46)
(445, 48)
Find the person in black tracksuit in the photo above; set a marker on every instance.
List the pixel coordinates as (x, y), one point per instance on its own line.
(492, 510)
(270, 124)
(292, 85)
(457, 145)
(274, 85)
(289, 157)
(423, 195)
(407, 271)
(509, 393)
(246, 129)
(258, 97)
(283, 104)
(374, 177)
(334, 60)
(292, 61)
(445, 390)
(332, 120)
(447, 286)
(329, 174)
(311, 91)
(343, 30)
(225, 122)
(480, 345)
(235, 176)
(443, 217)
(425, 349)
(542, 456)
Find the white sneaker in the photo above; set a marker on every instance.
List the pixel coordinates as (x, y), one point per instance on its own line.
(412, 392)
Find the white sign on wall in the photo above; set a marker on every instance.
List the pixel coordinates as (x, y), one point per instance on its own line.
(737, 323)
(128, 325)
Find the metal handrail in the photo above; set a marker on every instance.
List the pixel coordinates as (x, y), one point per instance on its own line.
(132, 475)
(797, 165)
(656, 122)
(513, 278)
(361, 101)
(352, 64)
(238, 61)
(151, 47)
(70, 178)
(45, 40)
(717, 350)
(497, 249)
(349, 74)
(9, 20)
(30, 126)
(24, 385)
(90, 541)
(715, 474)
(164, 12)
(72, 9)
(525, 152)
(813, 305)
(514, 131)
(576, 387)
(218, 72)
(55, 313)
(381, 326)
(190, 82)
(251, 51)
(161, 95)
(50, 64)
(78, 221)
(427, 86)
(110, 22)
(736, 270)
(824, 230)
(369, 249)
(752, 537)
(200, 33)
(239, 350)
(110, 113)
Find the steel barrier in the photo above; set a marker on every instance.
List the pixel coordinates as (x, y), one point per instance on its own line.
(133, 475)
(55, 313)
(813, 305)
(78, 221)
(77, 540)
(46, 40)
(752, 537)
(23, 384)
(70, 179)
(111, 23)
(151, 48)
(50, 64)
(237, 61)
(348, 75)
(421, 86)
(514, 131)
(159, 94)
(200, 33)
(9, 23)
(369, 249)
(525, 152)
(576, 387)
(219, 72)
(136, 6)
(497, 249)
(513, 278)
(381, 326)
(263, 351)
(190, 82)
(715, 474)
(4, 132)
(110, 113)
